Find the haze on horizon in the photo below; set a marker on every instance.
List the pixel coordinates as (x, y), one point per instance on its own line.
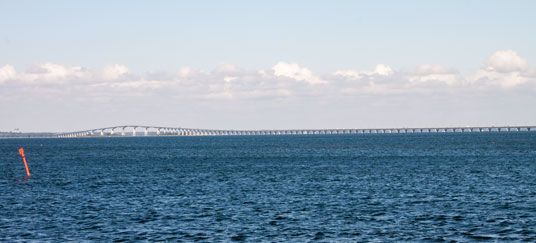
(67, 66)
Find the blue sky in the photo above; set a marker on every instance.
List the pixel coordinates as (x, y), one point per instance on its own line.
(270, 64)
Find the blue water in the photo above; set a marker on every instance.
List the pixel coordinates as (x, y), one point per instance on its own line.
(390, 187)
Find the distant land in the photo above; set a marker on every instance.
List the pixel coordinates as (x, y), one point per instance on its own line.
(27, 134)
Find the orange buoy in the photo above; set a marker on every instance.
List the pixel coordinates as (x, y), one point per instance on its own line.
(21, 152)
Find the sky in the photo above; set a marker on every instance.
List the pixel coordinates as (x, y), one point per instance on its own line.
(73, 65)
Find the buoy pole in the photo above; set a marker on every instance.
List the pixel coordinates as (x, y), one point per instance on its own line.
(21, 152)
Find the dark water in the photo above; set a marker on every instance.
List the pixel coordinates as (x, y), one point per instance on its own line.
(399, 187)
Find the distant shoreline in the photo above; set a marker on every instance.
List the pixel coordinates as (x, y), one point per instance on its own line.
(28, 135)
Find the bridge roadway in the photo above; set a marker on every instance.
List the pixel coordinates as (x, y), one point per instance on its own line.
(133, 130)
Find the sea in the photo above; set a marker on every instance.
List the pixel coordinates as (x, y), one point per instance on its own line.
(455, 187)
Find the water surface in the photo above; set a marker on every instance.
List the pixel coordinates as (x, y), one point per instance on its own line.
(386, 187)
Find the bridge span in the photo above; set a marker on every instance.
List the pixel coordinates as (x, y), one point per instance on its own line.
(135, 130)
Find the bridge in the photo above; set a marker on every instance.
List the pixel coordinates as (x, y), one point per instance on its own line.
(135, 130)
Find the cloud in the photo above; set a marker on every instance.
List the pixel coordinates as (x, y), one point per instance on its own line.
(294, 71)
(52, 73)
(7, 72)
(426, 73)
(383, 70)
(145, 84)
(426, 69)
(504, 68)
(380, 70)
(506, 62)
(187, 72)
(352, 74)
(449, 79)
(506, 80)
(228, 79)
(227, 68)
(113, 71)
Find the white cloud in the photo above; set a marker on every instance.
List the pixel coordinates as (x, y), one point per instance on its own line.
(52, 73)
(434, 73)
(372, 88)
(352, 74)
(506, 80)
(380, 70)
(506, 61)
(504, 68)
(227, 68)
(218, 96)
(144, 84)
(294, 71)
(426, 69)
(187, 72)
(114, 71)
(228, 79)
(383, 70)
(7, 72)
(449, 79)
(230, 82)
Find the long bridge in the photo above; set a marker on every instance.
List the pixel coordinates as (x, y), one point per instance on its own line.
(135, 130)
